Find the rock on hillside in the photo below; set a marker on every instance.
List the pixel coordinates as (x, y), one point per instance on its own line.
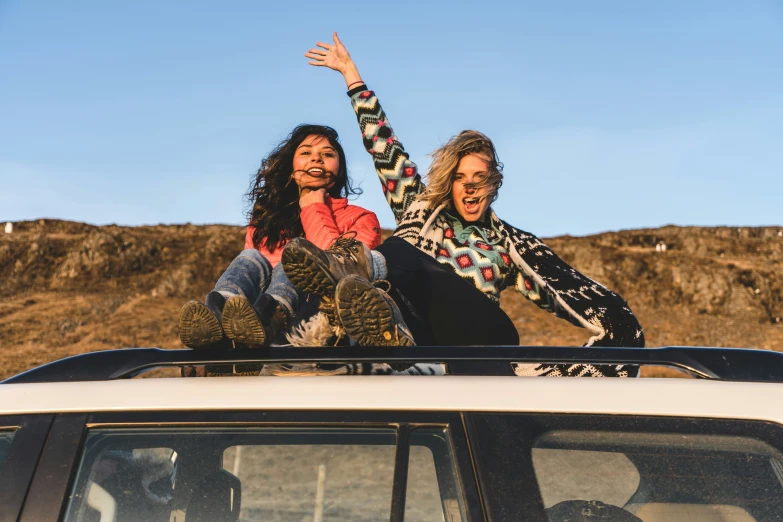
(71, 287)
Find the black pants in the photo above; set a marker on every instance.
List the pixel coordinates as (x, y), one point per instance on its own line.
(439, 307)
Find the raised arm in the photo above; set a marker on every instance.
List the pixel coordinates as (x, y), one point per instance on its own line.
(398, 175)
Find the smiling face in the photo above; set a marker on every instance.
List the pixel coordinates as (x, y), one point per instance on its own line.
(470, 201)
(316, 163)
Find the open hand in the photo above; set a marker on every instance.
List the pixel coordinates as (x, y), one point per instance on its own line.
(334, 56)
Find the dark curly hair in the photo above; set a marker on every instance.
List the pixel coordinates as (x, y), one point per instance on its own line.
(274, 195)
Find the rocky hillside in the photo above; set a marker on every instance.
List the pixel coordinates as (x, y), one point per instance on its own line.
(69, 287)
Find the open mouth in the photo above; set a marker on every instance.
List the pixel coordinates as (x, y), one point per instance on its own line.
(316, 172)
(471, 205)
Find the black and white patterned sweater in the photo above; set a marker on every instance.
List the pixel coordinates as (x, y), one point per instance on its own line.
(534, 269)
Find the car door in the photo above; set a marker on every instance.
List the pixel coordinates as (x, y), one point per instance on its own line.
(254, 465)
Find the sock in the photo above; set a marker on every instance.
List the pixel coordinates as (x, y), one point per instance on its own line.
(215, 301)
(379, 270)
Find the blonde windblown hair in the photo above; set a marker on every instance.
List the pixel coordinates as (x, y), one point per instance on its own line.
(444, 167)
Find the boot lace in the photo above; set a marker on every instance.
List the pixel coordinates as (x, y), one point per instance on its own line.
(400, 337)
(382, 282)
(346, 247)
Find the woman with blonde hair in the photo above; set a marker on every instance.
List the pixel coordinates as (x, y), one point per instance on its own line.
(450, 255)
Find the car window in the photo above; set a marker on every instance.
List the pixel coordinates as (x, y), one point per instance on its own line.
(321, 478)
(119, 482)
(260, 473)
(6, 436)
(658, 476)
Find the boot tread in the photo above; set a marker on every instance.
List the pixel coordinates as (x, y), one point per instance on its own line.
(241, 323)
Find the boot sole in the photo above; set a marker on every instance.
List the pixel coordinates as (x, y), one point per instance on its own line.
(364, 313)
(198, 327)
(241, 323)
(307, 272)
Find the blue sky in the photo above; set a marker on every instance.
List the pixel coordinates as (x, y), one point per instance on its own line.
(607, 114)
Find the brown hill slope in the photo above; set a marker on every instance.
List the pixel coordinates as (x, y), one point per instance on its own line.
(68, 287)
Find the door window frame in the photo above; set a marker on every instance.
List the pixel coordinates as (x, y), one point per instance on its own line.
(502, 442)
(63, 449)
(16, 472)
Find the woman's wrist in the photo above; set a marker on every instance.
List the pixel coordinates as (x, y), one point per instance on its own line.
(352, 77)
(308, 197)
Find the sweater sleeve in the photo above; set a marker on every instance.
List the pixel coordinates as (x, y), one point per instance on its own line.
(534, 293)
(574, 296)
(319, 225)
(399, 176)
(553, 285)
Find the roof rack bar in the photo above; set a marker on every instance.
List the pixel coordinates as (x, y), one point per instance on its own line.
(708, 363)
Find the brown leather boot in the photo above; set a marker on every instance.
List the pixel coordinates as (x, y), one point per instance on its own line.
(370, 315)
(199, 324)
(253, 327)
(317, 271)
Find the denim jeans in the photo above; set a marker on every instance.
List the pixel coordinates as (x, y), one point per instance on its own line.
(250, 274)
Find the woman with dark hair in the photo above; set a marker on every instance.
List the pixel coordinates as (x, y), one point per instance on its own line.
(300, 190)
(450, 255)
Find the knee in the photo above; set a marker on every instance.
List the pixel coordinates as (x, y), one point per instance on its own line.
(253, 255)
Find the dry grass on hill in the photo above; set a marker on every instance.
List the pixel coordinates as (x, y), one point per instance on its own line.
(70, 288)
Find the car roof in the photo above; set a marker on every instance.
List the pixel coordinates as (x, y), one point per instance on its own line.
(668, 397)
(730, 383)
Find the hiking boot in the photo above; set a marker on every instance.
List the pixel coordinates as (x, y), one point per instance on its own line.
(317, 271)
(199, 324)
(370, 315)
(253, 328)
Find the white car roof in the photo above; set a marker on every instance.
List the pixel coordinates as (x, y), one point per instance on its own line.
(667, 397)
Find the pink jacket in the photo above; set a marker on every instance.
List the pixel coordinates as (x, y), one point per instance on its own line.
(325, 222)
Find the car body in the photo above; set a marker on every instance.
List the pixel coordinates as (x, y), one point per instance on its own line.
(467, 446)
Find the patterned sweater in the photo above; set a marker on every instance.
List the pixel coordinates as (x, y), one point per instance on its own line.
(476, 252)
(534, 269)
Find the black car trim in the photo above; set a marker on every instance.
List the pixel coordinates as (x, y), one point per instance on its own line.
(400, 481)
(708, 363)
(16, 472)
(48, 492)
(498, 455)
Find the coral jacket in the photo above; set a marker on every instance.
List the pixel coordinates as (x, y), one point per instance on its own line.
(325, 222)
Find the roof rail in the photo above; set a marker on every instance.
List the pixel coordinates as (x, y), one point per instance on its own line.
(729, 364)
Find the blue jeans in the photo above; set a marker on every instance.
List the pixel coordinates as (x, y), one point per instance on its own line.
(250, 274)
